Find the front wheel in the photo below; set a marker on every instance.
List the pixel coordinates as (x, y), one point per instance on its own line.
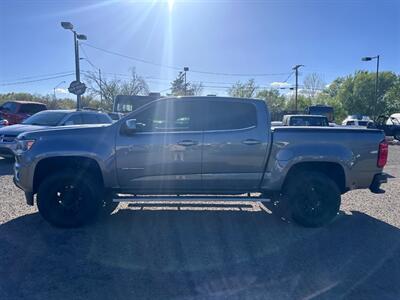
(313, 199)
(67, 200)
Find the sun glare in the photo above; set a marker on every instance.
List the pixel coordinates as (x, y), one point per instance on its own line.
(170, 5)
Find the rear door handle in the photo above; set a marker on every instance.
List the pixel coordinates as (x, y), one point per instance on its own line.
(187, 143)
(251, 142)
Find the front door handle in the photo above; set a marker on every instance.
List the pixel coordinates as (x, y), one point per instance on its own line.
(251, 142)
(187, 143)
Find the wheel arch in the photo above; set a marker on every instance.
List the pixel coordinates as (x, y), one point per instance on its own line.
(333, 170)
(81, 164)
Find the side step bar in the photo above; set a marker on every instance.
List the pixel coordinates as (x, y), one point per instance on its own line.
(193, 199)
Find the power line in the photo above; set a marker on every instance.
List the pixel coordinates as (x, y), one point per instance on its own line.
(150, 78)
(87, 58)
(180, 68)
(36, 80)
(36, 76)
(131, 58)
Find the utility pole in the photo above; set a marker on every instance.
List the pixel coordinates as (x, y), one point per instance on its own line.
(101, 88)
(185, 69)
(296, 68)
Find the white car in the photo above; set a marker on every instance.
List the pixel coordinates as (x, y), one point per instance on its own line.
(357, 120)
(394, 116)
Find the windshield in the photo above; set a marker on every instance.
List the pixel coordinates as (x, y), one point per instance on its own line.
(48, 118)
(308, 121)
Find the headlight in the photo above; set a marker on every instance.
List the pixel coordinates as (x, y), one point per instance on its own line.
(23, 146)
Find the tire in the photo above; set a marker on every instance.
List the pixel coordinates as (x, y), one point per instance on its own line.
(67, 200)
(312, 198)
(108, 206)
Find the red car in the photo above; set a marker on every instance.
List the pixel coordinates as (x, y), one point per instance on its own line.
(17, 111)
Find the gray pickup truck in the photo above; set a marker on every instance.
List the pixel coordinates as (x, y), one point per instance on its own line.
(196, 145)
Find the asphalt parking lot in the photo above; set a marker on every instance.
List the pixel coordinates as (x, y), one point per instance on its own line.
(204, 253)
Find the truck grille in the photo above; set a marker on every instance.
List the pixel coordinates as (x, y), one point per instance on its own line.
(7, 138)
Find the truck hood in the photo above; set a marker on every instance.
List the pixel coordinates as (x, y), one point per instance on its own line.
(66, 130)
(17, 129)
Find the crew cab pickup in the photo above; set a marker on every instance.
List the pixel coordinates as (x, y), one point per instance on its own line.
(389, 125)
(192, 146)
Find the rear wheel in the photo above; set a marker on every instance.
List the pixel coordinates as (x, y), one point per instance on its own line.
(67, 200)
(312, 198)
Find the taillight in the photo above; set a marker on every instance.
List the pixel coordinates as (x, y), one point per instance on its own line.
(383, 154)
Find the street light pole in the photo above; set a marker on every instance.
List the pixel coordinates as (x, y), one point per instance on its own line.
(69, 26)
(54, 89)
(296, 68)
(77, 69)
(369, 58)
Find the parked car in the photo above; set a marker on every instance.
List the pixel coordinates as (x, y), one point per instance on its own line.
(390, 130)
(357, 120)
(196, 145)
(276, 123)
(3, 122)
(17, 111)
(393, 116)
(305, 120)
(44, 120)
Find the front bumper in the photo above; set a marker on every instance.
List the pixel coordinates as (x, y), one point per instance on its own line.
(375, 186)
(7, 149)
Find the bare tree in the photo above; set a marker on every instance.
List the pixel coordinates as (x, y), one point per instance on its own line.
(108, 89)
(313, 84)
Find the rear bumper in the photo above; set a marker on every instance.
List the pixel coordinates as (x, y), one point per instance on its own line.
(375, 186)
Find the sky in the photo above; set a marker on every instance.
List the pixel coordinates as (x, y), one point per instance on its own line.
(221, 42)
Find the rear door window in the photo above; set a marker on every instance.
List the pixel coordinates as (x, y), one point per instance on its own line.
(10, 107)
(103, 119)
(227, 115)
(74, 119)
(28, 108)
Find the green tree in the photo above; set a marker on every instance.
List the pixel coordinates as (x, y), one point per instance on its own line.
(325, 98)
(274, 100)
(302, 103)
(357, 93)
(392, 98)
(243, 90)
(178, 87)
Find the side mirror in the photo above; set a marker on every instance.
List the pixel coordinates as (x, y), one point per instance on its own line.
(130, 126)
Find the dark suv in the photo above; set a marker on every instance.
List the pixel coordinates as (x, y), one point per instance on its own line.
(17, 111)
